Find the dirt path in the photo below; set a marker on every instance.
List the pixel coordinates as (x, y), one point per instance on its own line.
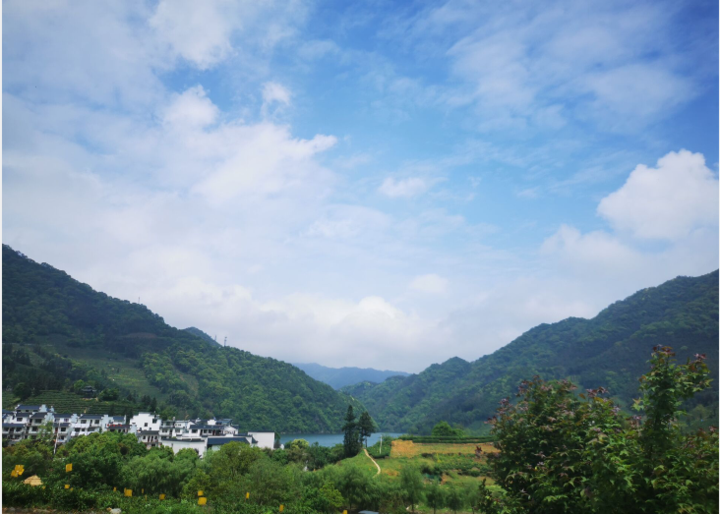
(373, 461)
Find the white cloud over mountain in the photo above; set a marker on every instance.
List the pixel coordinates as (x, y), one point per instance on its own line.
(178, 153)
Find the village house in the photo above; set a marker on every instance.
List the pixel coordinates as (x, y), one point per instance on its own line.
(201, 435)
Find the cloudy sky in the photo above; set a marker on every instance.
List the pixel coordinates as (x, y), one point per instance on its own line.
(371, 183)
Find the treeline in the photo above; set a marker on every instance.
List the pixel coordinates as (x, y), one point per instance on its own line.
(234, 479)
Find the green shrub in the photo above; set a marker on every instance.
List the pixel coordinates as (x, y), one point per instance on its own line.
(17, 494)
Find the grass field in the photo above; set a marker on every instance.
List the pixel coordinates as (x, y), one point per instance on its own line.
(450, 464)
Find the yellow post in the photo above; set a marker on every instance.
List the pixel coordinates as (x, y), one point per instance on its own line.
(282, 508)
(202, 500)
(114, 489)
(162, 496)
(67, 486)
(142, 491)
(247, 496)
(128, 492)
(200, 493)
(68, 468)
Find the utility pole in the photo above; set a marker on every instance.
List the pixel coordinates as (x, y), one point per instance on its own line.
(225, 342)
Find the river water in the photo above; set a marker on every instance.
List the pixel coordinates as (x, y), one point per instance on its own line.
(330, 439)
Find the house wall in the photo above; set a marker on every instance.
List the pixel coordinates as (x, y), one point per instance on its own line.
(264, 439)
(179, 444)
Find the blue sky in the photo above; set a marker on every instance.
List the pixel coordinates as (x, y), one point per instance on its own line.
(384, 184)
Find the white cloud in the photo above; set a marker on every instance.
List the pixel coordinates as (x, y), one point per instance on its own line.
(597, 251)
(525, 66)
(192, 108)
(274, 92)
(431, 284)
(665, 202)
(405, 188)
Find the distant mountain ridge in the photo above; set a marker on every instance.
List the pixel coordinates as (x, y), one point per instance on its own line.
(57, 331)
(610, 350)
(341, 377)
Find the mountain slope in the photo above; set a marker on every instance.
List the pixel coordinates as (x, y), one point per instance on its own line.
(340, 377)
(609, 350)
(57, 330)
(202, 335)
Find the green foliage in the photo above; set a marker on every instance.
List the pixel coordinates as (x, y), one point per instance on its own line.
(609, 350)
(411, 483)
(365, 426)
(443, 429)
(351, 441)
(34, 454)
(382, 448)
(159, 471)
(446, 440)
(565, 453)
(435, 496)
(98, 459)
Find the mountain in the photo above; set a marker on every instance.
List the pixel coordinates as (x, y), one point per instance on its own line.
(202, 335)
(610, 350)
(57, 331)
(340, 377)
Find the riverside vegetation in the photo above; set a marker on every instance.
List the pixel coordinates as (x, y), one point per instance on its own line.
(556, 452)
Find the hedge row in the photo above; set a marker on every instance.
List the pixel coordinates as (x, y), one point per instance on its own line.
(447, 440)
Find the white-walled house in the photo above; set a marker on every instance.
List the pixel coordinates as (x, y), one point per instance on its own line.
(146, 421)
(89, 424)
(200, 435)
(37, 421)
(198, 444)
(264, 439)
(63, 426)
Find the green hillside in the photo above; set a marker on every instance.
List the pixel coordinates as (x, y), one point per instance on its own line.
(610, 350)
(57, 331)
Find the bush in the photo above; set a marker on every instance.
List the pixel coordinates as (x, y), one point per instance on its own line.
(17, 494)
(377, 451)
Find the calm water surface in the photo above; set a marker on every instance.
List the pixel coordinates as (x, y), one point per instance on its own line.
(331, 439)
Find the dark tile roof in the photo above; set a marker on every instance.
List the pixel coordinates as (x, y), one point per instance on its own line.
(217, 441)
(13, 425)
(39, 415)
(91, 416)
(28, 407)
(148, 432)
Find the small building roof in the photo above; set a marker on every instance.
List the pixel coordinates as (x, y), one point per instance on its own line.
(39, 415)
(219, 441)
(28, 407)
(91, 416)
(13, 425)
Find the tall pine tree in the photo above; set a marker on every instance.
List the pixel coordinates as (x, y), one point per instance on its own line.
(350, 443)
(365, 426)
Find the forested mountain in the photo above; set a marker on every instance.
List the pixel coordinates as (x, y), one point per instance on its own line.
(202, 335)
(341, 377)
(57, 331)
(610, 350)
